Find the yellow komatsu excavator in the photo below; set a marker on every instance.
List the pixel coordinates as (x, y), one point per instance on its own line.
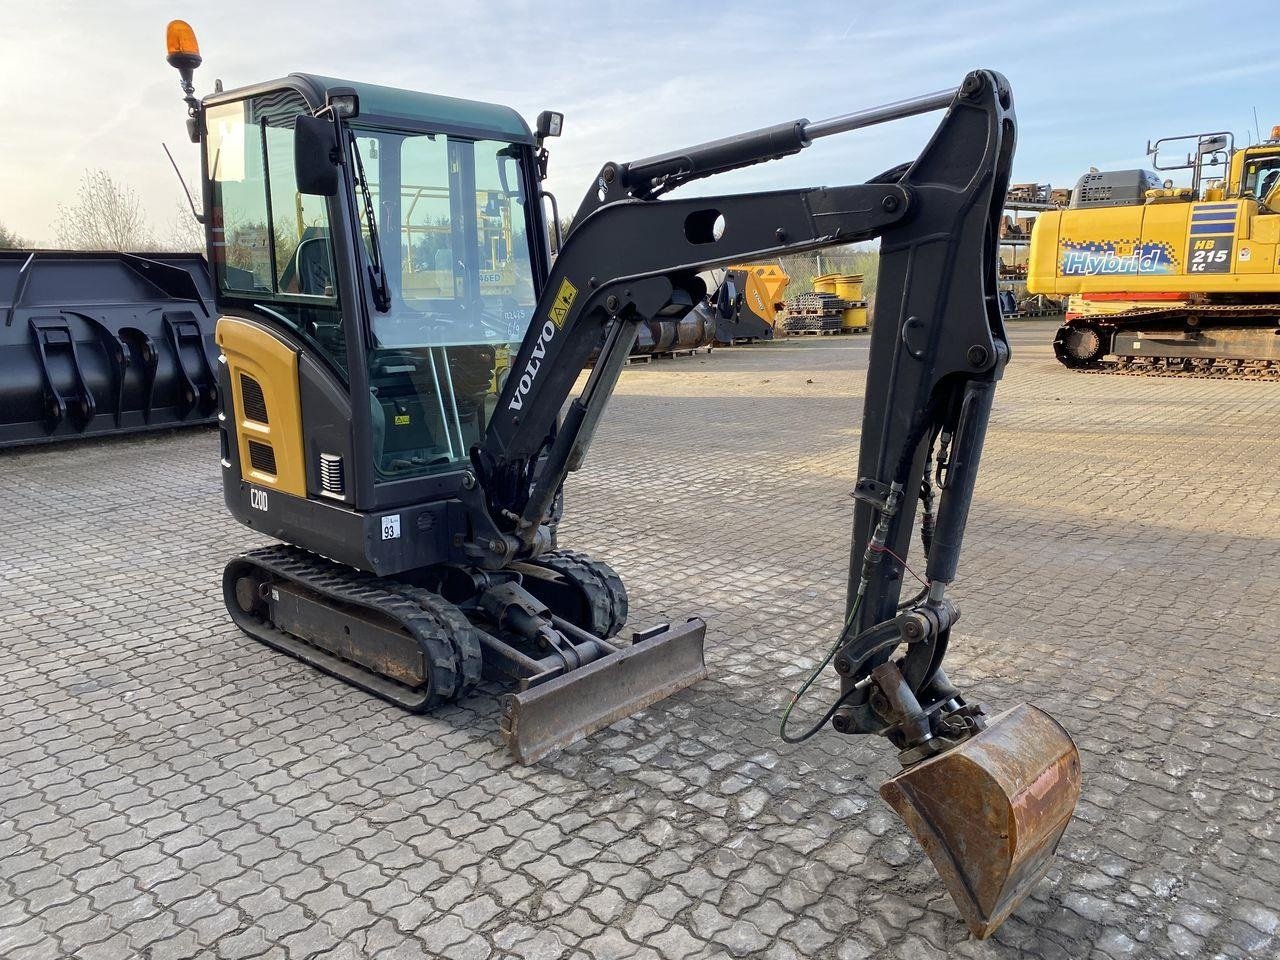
(1164, 280)
(376, 252)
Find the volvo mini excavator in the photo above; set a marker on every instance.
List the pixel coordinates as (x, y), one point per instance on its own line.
(375, 250)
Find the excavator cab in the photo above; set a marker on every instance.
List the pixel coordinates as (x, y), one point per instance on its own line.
(401, 363)
(403, 281)
(377, 258)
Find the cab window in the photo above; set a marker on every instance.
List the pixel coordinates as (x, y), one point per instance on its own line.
(452, 216)
(1261, 175)
(271, 244)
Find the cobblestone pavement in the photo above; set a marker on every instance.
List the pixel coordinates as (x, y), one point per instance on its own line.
(169, 788)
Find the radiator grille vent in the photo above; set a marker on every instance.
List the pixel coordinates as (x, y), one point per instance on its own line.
(262, 457)
(255, 404)
(332, 481)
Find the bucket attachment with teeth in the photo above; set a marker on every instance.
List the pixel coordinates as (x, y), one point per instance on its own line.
(574, 704)
(97, 343)
(990, 811)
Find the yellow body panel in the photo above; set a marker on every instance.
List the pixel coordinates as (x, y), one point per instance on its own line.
(1255, 257)
(1266, 229)
(1156, 247)
(249, 350)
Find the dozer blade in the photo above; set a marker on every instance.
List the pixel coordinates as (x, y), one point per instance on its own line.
(574, 705)
(990, 812)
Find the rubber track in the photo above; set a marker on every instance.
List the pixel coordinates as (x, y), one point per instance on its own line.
(461, 631)
(605, 591)
(451, 642)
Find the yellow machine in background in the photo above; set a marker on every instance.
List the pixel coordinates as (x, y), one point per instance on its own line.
(748, 302)
(1170, 280)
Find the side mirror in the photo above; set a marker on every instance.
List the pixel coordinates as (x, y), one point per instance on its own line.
(316, 156)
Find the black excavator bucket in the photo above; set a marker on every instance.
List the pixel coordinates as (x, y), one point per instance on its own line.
(562, 710)
(96, 343)
(990, 812)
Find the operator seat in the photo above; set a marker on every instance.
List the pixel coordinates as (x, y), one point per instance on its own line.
(314, 267)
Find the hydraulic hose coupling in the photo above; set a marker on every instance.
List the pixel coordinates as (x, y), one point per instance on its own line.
(876, 546)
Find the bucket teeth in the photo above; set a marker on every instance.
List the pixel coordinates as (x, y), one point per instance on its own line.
(990, 811)
(563, 710)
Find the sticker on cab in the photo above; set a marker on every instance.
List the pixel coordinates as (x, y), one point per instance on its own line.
(391, 527)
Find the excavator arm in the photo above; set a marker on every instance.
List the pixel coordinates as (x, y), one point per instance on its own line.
(988, 799)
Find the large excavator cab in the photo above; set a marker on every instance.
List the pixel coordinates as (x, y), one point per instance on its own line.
(990, 812)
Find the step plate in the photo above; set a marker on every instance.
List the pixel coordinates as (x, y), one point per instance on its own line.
(574, 705)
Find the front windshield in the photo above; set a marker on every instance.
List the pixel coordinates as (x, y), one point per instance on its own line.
(453, 230)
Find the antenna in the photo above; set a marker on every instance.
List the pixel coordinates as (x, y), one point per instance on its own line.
(199, 217)
(1257, 127)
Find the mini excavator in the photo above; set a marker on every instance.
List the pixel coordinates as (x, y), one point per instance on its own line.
(399, 353)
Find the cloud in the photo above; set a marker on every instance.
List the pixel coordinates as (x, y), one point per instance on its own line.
(87, 85)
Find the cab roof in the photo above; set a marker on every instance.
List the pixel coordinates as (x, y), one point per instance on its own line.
(428, 112)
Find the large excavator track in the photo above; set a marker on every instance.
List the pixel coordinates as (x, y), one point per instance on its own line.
(397, 641)
(1215, 369)
(1077, 339)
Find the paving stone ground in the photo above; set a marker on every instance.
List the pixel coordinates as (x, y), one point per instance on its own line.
(169, 788)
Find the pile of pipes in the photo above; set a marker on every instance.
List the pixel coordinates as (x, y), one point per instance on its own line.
(836, 305)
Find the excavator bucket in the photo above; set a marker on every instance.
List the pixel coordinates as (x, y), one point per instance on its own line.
(573, 705)
(97, 343)
(990, 812)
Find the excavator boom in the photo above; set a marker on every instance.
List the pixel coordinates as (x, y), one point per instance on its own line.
(987, 799)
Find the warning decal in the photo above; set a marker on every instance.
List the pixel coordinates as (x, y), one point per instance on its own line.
(563, 303)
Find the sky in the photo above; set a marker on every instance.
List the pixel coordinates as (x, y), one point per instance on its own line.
(85, 83)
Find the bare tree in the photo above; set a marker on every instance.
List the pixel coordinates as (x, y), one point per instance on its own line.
(184, 234)
(106, 215)
(10, 240)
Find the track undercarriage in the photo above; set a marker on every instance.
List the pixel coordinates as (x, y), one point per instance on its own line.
(1233, 342)
(428, 638)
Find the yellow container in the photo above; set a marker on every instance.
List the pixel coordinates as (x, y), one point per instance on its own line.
(825, 283)
(849, 286)
(854, 320)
